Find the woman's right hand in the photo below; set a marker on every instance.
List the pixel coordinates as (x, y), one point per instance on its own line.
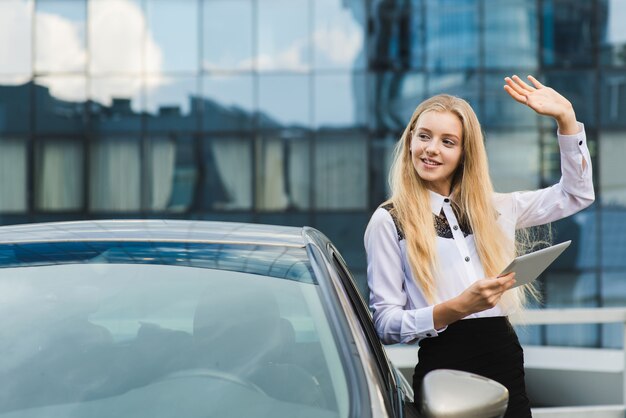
(485, 293)
(481, 295)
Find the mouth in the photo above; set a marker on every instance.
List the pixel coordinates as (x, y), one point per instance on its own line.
(429, 162)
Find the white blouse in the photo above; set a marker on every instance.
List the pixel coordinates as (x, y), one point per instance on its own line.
(401, 312)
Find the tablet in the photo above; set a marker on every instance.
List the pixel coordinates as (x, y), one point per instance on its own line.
(529, 266)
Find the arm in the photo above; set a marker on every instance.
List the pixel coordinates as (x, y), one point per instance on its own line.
(395, 322)
(575, 189)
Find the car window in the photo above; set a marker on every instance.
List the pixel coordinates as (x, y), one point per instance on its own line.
(154, 340)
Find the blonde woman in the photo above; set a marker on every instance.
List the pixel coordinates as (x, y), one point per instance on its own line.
(436, 247)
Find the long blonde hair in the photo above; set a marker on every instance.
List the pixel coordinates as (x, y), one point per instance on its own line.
(471, 194)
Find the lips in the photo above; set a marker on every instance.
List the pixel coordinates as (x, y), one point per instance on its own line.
(430, 163)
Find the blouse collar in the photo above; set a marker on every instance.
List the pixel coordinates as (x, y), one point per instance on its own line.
(437, 201)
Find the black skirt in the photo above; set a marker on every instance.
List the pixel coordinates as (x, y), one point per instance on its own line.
(484, 346)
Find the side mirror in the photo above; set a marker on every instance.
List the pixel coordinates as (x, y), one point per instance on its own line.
(456, 394)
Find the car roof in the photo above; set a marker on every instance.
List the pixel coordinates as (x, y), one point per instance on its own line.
(155, 230)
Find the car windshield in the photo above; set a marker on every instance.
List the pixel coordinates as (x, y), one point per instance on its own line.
(164, 329)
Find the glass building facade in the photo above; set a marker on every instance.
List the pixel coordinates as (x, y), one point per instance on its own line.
(286, 111)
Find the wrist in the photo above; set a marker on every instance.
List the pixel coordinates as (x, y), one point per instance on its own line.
(567, 123)
(448, 312)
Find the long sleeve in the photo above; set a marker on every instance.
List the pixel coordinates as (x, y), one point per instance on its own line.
(571, 194)
(394, 318)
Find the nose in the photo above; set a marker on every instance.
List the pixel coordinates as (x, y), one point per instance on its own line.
(431, 147)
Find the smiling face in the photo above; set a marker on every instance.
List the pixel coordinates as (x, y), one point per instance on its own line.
(437, 148)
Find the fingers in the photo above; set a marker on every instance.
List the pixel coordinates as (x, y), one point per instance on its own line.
(515, 95)
(535, 82)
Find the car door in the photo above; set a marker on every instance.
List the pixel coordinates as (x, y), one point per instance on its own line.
(400, 395)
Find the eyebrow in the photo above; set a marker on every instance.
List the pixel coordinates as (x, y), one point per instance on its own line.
(430, 132)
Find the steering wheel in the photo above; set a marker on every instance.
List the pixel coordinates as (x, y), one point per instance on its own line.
(214, 374)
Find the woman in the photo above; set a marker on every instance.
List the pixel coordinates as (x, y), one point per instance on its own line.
(436, 247)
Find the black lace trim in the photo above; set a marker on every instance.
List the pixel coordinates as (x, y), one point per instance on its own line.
(442, 227)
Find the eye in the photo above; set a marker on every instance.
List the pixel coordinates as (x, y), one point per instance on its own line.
(423, 137)
(449, 142)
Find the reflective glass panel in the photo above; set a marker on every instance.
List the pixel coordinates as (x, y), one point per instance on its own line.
(59, 175)
(116, 103)
(393, 97)
(60, 36)
(60, 103)
(613, 99)
(452, 34)
(501, 110)
(118, 37)
(115, 175)
(511, 30)
(283, 172)
(568, 31)
(381, 157)
(344, 229)
(228, 102)
(15, 107)
(613, 221)
(340, 170)
(611, 170)
(340, 100)
(172, 41)
(514, 159)
(171, 103)
(13, 177)
(613, 295)
(172, 165)
(284, 100)
(395, 31)
(613, 36)
(284, 37)
(338, 34)
(568, 290)
(16, 22)
(582, 229)
(461, 84)
(231, 20)
(228, 172)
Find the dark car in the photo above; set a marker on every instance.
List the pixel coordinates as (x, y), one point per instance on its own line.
(186, 319)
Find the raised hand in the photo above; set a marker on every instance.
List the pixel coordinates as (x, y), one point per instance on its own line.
(543, 100)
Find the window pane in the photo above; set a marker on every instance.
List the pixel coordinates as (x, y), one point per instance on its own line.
(13, 178)
(228, 172)
(462, 84)
(381, 158)
(284, 41)
(613, 221)
(170, 103)
(15, 107)
(117, 31)
(452, 34)
(60, 104)
(395, 35)
(172, 44)
(116, 103)
(59, 175)
(60, 36)
(232, 20)
(613, 37)
(284, 100)
(613, 99)
(612, 178)
(16, 25)
(228, 102)
(340, 100)
(514, 159)
(338, 34)
(115, 175)
(283, 172)
(501, 110)
(568, 31)
(613, 295)
(173, 172)
(567, 290)
(511, 34)
(393, 98)
(340, 171)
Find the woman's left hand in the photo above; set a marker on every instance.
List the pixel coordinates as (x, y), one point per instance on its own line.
(543, 100)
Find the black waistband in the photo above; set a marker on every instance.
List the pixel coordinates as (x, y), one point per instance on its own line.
(474, 328)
